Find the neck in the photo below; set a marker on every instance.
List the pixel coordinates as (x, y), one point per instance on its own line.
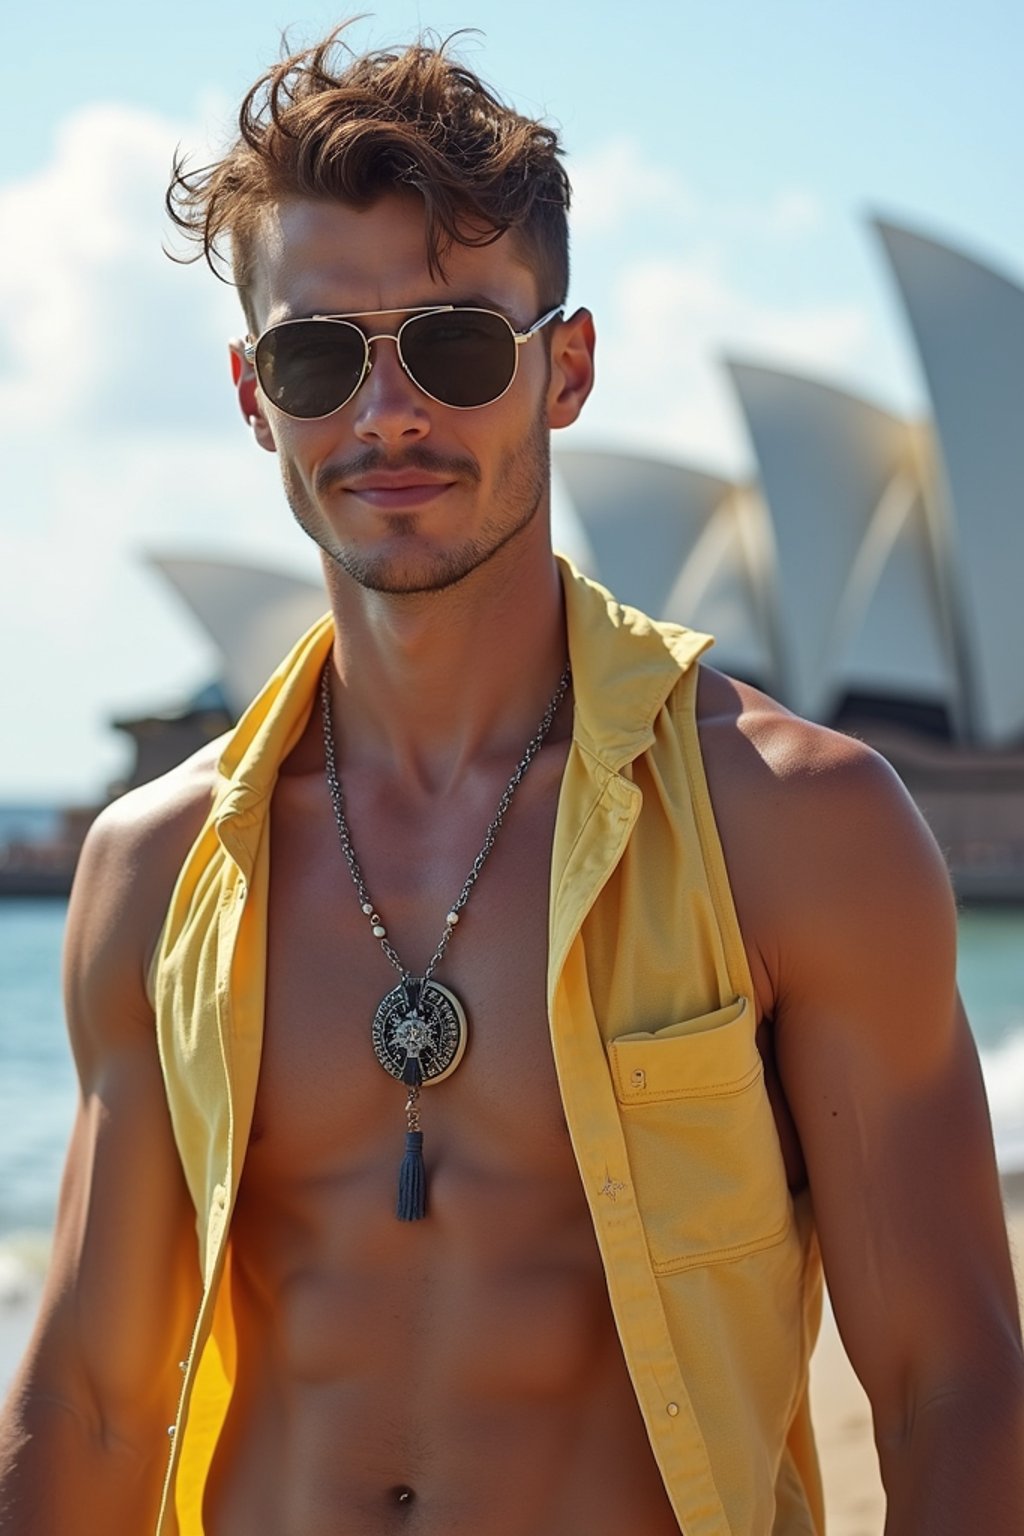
(427, 683)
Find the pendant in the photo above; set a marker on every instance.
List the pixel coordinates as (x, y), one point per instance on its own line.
(420, 1024)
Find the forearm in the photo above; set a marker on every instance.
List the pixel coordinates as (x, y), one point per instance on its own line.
(57, 1462)
(959, 1464)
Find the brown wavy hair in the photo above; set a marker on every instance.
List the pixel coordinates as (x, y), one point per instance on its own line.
(328, 123)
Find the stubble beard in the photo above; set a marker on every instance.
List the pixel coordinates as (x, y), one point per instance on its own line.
(521, 486)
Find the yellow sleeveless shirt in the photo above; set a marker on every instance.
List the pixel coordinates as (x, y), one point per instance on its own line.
(712, 1269)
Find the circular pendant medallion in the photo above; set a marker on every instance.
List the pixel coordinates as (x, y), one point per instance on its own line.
(436, 1032)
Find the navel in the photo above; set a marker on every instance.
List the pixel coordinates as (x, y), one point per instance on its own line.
(403, 1495)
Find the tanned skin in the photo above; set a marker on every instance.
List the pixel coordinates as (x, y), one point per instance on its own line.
(463, 1374)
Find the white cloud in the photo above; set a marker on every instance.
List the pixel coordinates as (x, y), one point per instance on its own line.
(91, 309)
(789, 215)
(676, 283)
(693, 304)
(667, 325)
(618, 181)
(119, 433)
(794, 212)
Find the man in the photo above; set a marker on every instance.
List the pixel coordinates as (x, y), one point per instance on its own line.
(466, 1042)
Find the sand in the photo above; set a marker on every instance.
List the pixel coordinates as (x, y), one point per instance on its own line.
(853, 1491)
(854, 1499)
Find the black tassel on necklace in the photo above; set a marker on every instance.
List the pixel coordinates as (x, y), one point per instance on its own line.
(419, 1030)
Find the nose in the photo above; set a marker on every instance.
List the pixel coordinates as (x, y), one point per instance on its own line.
(389, 408)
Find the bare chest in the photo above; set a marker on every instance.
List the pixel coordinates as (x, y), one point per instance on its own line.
(325, 1106)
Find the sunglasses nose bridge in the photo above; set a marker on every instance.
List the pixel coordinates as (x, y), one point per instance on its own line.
(396, 337)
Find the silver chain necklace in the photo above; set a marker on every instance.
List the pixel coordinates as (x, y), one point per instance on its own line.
(420, 1029)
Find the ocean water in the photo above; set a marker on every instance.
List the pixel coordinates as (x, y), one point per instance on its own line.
(37, 1085)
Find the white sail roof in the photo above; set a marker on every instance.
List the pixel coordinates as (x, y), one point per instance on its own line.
(840, 480)
(968, 324)
(869, 554)
(641, 517)
(253, 615)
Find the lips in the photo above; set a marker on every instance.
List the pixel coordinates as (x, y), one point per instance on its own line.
(404, 488)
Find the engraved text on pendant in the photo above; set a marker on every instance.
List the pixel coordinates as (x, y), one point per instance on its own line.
(435, 1034)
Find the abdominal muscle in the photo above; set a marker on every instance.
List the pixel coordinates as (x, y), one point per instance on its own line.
(457, 1374)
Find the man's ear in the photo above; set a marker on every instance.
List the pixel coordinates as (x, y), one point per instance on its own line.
(572, 368)
(244, 378)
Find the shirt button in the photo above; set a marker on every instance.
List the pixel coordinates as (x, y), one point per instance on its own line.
(672, 1409)
(170, 1430)
(183, 1366)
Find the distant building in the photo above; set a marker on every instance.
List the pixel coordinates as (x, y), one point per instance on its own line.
(163, 740)
(868, 576)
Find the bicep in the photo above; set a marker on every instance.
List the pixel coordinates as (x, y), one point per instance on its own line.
(882, 1076)
(122, 1286)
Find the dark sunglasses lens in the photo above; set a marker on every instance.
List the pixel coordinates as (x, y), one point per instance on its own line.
(464, 358)
(309, 368)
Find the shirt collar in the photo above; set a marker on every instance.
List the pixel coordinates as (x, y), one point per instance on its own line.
(624, 666)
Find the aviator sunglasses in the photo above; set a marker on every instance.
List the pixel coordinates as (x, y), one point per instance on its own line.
(457, 355)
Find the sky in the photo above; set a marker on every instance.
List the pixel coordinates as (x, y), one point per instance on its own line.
(727, 160)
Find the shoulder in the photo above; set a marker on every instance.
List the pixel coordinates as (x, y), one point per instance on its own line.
(807, 778)
(138, 833)
(819, 832)
(126, 873)
(751, 742)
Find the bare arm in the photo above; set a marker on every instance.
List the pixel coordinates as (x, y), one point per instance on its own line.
(882, 1077)
(85, 1425)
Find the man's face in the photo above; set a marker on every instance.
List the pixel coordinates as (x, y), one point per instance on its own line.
(405, 494)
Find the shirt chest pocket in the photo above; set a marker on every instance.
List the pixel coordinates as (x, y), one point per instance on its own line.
(703, 1150)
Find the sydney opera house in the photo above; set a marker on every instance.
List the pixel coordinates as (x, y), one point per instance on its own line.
(869, 574)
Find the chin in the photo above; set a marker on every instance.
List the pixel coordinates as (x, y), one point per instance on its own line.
(405, 573)
(402, 576)
(409, 566)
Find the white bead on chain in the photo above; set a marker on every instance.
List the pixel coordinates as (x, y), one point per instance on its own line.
(378, 929)
(377, 926)
(419, 1029)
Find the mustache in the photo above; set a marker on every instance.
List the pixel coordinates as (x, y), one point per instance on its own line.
(370, 461)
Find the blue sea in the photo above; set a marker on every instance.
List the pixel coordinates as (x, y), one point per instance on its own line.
(37, 1089)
